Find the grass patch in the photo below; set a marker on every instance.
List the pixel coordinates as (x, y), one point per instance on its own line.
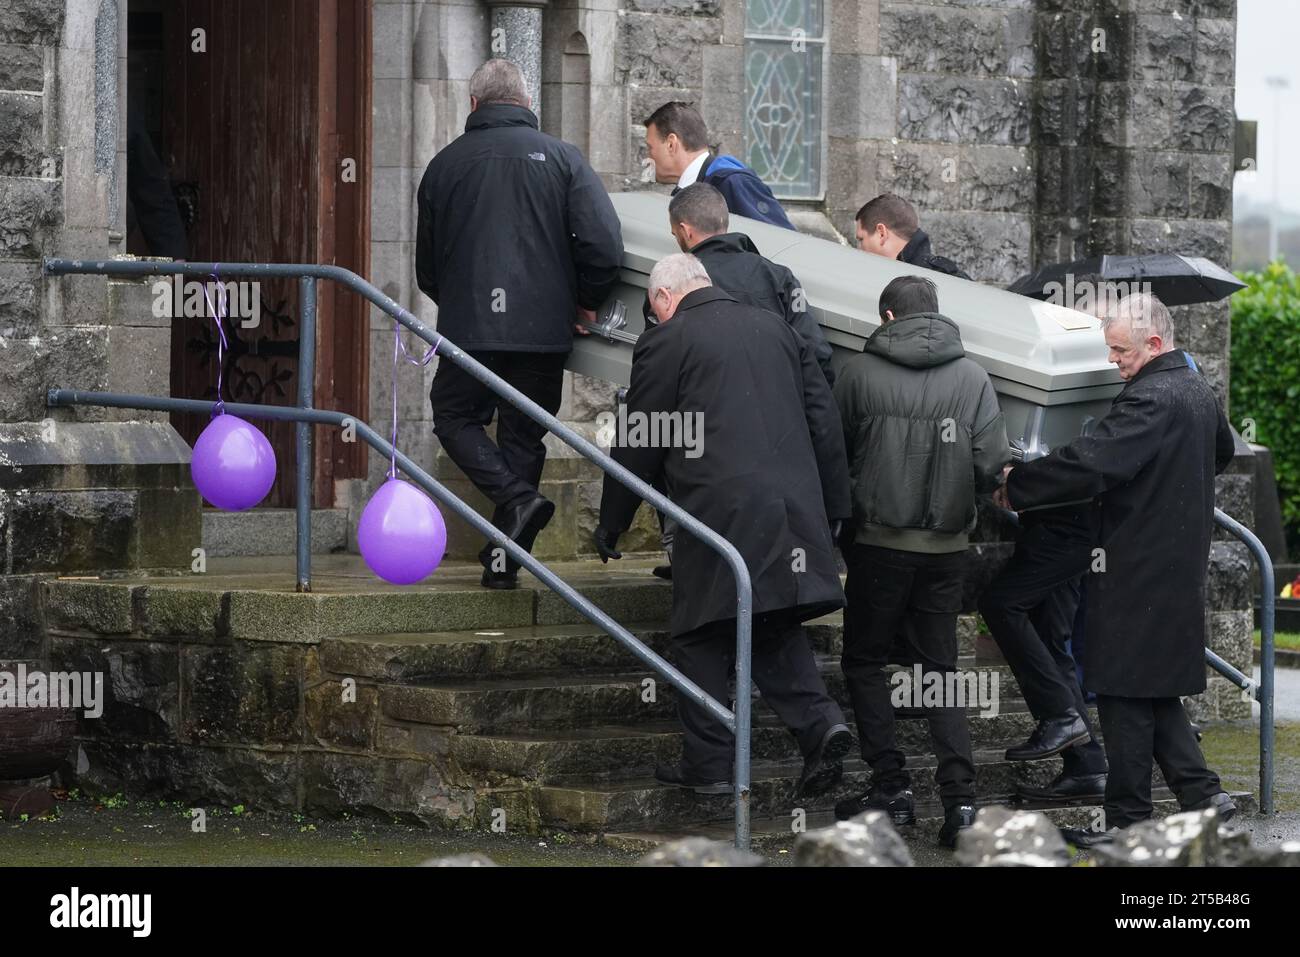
(1282, 639)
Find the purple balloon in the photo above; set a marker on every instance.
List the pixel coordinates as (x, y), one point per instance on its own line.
(402, 535)
(233, 464)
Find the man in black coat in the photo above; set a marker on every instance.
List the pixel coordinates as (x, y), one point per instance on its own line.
(698, 218)
(1150, 465)
(517, 240)
(888, 226)
(768, 473)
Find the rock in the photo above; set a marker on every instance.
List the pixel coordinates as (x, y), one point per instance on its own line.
(868, 840)
(1190, 839)
(1002, 837)
(461, 860)
(700, 852)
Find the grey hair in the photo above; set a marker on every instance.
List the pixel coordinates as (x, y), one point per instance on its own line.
(1143, 311)
(678, 273)
(498, 81)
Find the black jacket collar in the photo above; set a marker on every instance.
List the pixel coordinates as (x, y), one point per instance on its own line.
(1174, 359)
(728, 242)
(917, 251)
(699, 297)
(500, 114)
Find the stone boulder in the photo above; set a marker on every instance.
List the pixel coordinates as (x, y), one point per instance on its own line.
(699, 852)
(868, 840)
(1002, 837)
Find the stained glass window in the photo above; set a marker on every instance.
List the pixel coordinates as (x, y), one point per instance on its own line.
(785, 44)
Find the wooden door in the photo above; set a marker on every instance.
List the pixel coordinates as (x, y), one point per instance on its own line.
(261, 102)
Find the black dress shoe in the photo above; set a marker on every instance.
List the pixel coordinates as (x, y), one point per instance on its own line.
(1221, 802)
(673, 776)
(955, 819)
(823, 769)
(499, 581)
(663, 571)
(1067, 788)
(899, 805)
(1085, 837)
(1051, 737)
(521, 524)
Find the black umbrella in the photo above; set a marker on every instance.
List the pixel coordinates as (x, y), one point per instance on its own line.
(1174, 280)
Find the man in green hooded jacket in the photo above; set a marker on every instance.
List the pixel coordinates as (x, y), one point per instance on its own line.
(924, 435)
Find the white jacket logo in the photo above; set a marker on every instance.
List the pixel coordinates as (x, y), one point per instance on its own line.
(537, 156)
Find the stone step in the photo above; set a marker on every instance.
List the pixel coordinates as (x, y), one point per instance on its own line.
(770, 836)
(566, 701)
(636, 749)
(542, 649)
(598, 805)
(271, 531)
(235, 598)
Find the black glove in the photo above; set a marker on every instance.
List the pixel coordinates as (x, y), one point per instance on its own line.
(605, 543)
(844, 534)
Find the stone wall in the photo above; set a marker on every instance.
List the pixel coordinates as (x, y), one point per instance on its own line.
(81, 489)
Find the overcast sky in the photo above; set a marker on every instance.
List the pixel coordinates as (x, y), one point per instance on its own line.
(1268, 44)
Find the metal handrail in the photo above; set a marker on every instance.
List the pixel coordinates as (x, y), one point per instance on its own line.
(738, 722)
(1263, 690)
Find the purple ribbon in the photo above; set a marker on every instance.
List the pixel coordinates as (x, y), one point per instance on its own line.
(399, 347)
(218, 314)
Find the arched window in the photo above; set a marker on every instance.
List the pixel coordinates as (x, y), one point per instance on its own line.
(785, 60)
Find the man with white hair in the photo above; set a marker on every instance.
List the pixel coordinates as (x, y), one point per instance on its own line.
(517, 240)
(769, 474)
(1149, 466)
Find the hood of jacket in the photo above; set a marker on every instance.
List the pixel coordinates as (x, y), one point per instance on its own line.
(920, 341)
(722, 164)
(726, 242)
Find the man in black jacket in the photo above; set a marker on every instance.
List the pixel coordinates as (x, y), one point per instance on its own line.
(517, 240)
(888, 226)
(924, 434)
(1150, 466)
(698, 218)
(768, 474)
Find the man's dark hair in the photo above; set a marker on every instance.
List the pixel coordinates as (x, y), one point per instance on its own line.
(895, 212)
(701, 207)
(908, 295)
(682, 119)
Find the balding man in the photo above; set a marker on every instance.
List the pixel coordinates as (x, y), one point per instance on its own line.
(517, 240)
(767, 471)
(1150, 466)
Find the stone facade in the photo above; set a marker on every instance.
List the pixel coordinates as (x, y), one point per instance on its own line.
(1026, 131)
(81, 489)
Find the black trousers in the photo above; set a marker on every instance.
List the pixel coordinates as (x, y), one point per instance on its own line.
(1138, 731)
(510, 470)
(784, 671)
(1030, 609)
(889, 590)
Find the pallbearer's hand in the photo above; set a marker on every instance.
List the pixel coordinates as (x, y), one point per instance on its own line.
(606, 543)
